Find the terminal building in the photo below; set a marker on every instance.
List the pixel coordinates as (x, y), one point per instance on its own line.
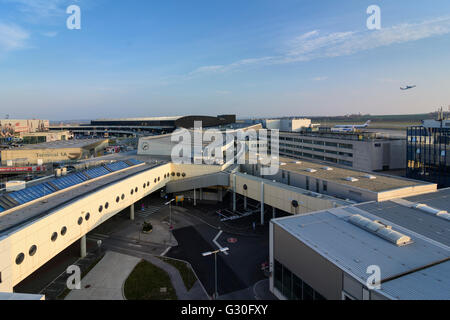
(288, 125)
(11, 127)
(324, 246)
(144, 126)
(331, 254)
(360, 151)
(57, 151)
(428, 148)
(348, 184)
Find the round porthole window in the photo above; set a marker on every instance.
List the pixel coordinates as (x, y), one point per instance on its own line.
(245, 187)
(132, 191)
(87, 216)
(183, 174)
(144, 185)
(165, 175)
(173, 174)
(123, 196)
(54, 236)
(136, 189)
(20, 257)
(80, 221)
(159, 178)
(100, 209)
(148, 183)
(32, 250)
(107, 205)
(294, 203)
(117, 199)
(154, 180)
(178, 174)
(63, 231)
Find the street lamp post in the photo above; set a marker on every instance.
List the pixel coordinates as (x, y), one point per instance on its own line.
(205, 254)
(170, 217)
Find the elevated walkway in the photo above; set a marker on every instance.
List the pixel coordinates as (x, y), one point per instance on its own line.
(204, 181)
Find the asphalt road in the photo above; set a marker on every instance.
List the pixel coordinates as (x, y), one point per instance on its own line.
(238, 270)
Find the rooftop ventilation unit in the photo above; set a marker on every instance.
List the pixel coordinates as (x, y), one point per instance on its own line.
(298, 162)
(310, 170)
(327, 168)
(351, 179)
(381, 230)
(369, 176)
(439, 213)
(282, 164)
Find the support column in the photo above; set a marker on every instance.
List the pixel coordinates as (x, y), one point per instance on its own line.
(245, 202)
(132, 212)
(274, 212)
(201, 194)
(83, 246)
(195, 198)
(234, 192)
(262, 203)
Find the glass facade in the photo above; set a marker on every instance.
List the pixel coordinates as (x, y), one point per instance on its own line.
(427, 155)
(291, 286)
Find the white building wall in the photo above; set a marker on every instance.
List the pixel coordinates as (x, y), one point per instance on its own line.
(40, 232)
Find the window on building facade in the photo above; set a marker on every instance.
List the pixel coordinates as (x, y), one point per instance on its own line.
(291, 286)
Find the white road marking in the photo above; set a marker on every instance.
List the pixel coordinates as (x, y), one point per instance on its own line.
(165, 251)
(134, 245)
(217, 244)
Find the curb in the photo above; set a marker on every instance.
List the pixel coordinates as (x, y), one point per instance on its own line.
(192, 269)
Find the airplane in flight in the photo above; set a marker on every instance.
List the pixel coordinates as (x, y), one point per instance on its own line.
(350, 127)
(407, 87)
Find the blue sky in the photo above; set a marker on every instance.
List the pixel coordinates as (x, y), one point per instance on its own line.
(249, 57)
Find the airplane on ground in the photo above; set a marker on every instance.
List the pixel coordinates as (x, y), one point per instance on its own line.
(350, 127)
(407, 87)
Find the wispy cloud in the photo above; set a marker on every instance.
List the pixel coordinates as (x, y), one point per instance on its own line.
(232, 66)
(320, 78)
(317, 45)
(38, 9)
(50, 34)
(12, 37)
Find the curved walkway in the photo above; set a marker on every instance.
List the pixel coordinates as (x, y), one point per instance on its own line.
(105, 281)
(196, 293)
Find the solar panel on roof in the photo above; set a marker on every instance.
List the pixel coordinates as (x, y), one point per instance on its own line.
(44, 189)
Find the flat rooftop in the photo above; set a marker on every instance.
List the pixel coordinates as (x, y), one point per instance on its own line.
(353, 249)
(62, 144)
(380, 182)
(399, 212)
(143, 119)
(362, 136)
(427, 284)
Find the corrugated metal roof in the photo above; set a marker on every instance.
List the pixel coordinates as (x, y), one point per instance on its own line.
(428, 284)
(416, 220)
(354, 249)
(439, 199)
